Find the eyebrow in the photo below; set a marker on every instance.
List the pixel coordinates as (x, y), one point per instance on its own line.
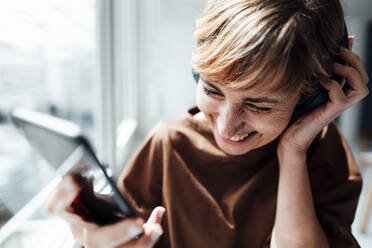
(249, 99)
(261, 100)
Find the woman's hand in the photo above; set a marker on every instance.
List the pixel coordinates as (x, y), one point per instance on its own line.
(295, 205)
(121, 234)
(298, 137)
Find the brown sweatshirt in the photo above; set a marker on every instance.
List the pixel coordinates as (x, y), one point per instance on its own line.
(217, 200)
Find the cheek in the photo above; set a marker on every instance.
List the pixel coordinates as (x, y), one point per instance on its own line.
(270, 126)
(206, 104)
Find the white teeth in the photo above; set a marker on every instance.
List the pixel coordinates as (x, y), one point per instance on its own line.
(238, 138)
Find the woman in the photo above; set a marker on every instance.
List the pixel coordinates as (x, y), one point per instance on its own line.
(246, 168)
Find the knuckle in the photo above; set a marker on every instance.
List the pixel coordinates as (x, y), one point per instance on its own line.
(341, 100)
(147, 242)
(354, 74)
(365, 92)
(356, 57)
(152, 234)
(350, 71)
(54, 201)
(133, 231)
(56, 207)
(333, 86)
(49, 206)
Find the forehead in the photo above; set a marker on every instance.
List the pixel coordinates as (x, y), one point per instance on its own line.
(274, 79)
(255, 91)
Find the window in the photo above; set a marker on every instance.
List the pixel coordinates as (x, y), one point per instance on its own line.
(48, 55)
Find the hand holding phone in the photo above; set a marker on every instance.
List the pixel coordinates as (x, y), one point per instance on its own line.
(97, 220)
(65, 148)
(122, 232)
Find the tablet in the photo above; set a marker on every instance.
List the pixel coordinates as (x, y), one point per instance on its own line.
(64, 147)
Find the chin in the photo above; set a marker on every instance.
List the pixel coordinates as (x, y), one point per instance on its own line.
(234, 152)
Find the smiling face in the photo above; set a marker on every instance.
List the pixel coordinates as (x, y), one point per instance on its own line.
(256, 56)
(244, 120)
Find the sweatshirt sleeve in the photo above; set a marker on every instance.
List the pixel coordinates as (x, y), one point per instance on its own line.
(336, 185)
(141, 180)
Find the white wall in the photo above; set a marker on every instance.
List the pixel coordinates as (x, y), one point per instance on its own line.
(166, 88)
(358, 8)
(358, 13)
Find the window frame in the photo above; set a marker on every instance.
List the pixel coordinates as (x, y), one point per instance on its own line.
(117, 72)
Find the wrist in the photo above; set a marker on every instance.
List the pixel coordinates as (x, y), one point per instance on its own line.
(291, 157)
(287, 149)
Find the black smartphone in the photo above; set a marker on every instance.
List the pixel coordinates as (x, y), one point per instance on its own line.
(64, 147)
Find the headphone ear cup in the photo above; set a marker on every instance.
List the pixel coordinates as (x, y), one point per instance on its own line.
(195, 76)
(311, 102)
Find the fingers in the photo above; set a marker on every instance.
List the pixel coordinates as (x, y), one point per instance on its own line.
(152, 228)
(113, 235)
(335, 92)
(355, 74)
(147, 240)
(65, 193)
(355, 62)
(357, 87)
(156, 215)
(152, 234)
(119, 234)
(152, 231)
(60, 202)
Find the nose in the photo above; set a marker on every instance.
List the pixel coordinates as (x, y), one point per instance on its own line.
(229, 120)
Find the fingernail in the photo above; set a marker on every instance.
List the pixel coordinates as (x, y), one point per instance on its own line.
(156, 234)
(134, 230)
(161, 212)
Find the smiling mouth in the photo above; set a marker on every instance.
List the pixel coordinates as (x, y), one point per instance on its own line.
(238, 139)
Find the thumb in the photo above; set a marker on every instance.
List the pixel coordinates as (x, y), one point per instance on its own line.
(152, 227)
(156, 215)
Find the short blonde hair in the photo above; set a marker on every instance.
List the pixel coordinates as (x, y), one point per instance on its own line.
(287, 44)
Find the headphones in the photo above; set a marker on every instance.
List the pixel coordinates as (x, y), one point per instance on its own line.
(308, 103)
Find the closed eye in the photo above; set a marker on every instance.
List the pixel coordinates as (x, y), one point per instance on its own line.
(211, 92)
(250, 106)
(257, 109)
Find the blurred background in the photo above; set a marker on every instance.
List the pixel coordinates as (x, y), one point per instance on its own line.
(118, 65)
